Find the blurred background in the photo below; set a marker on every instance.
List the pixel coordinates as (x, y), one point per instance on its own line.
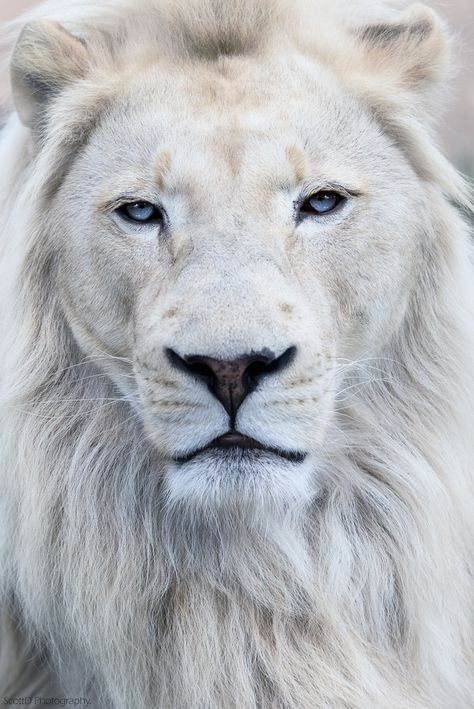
(458, 122)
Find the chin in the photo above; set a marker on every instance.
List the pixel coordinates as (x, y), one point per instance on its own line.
(246, 482)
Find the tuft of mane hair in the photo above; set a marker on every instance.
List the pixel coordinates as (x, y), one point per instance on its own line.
(379, 601)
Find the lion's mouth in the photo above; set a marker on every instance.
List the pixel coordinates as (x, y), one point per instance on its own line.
(238, 441)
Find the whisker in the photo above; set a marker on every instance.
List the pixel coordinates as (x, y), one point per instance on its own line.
(91, 359)
(359, 385)
(77, 414)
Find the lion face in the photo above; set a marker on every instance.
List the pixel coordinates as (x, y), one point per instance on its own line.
(233, 236)
(237, 372)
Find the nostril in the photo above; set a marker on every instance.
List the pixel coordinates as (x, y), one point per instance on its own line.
(191, 365)
(255, 370)
(254, 373)
(283, 361)
(201, 370)
(263, 366)
(176, 360)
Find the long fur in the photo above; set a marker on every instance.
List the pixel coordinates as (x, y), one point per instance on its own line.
(102, 587)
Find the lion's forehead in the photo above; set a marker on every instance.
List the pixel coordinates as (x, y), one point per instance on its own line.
(257, 126)
(254, 99)
(233, 82)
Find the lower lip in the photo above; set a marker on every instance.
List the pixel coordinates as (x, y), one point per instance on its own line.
(290, 457)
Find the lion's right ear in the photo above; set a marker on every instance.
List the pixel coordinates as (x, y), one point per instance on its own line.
(45, 60)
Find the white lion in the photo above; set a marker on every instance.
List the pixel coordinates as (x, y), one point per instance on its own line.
(237, 360)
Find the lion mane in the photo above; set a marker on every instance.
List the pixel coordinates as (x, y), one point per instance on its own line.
(367, 600)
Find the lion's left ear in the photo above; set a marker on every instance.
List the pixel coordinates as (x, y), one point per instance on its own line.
(410, 54)
(45, 60)
(399, 68)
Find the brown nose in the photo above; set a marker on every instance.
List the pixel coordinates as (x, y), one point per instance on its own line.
(231, 380)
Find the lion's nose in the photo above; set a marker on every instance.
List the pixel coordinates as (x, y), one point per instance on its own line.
(232, 380)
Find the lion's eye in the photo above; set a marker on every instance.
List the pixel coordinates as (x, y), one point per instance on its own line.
(140, 212)
(322, 203)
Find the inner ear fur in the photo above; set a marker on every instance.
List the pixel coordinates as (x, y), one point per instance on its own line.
(46, 59)
(411, 52)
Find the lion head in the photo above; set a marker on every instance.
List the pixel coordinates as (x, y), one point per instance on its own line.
(237, 372)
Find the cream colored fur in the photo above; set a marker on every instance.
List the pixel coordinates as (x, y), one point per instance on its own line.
(344, 581)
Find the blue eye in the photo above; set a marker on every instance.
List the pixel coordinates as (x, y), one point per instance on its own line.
(322, 203)
(141, 212)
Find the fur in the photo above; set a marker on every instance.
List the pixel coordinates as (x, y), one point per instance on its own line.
(343, 582)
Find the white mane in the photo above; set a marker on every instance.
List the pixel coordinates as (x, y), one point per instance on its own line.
(375, 579)
(106, 15)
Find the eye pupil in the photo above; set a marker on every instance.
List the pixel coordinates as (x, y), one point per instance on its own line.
(322, 203)
(141, 212)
